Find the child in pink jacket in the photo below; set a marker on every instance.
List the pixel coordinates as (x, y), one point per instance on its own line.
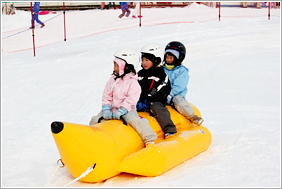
(122, 93)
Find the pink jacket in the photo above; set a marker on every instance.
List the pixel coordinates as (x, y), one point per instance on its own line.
(123, 92)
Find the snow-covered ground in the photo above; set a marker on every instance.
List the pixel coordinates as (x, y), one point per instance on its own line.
(235, 82)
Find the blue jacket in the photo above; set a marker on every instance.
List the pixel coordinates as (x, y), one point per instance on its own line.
(36, 7)
(178, 78)
(123, 5)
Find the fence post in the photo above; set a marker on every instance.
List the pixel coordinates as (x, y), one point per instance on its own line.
(219, 11)
(32, 28)
(140, 15)
(64, 21)
(268, 10)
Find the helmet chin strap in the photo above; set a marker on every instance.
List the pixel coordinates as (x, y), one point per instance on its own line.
(117, 75)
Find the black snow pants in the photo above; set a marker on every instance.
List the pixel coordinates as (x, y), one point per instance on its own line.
(163, 116)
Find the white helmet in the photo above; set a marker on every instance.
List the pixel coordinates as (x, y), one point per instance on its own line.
(154, 49)
(130, 56)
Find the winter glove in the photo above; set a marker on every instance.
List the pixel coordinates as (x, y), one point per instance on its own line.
(139, 106)
(120, 112)
(143, 106)
(107, 112)
(169, 99)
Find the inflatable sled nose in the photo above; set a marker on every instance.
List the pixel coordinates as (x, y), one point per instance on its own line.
(106, 144)
(57, 127)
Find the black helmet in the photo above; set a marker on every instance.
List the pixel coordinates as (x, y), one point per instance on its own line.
(175, 45)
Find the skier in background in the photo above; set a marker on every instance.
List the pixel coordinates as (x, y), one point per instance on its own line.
(11, 10)
(124, 8)
(35, 13)
(110, 5)
(8, 9)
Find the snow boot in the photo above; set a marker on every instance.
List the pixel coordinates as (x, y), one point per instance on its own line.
(169, 135)
(197, 120)
(149, 143)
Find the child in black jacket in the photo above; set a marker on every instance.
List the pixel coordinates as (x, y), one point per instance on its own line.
(155, 88)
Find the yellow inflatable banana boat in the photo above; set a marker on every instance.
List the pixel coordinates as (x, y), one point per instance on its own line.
(114, 147)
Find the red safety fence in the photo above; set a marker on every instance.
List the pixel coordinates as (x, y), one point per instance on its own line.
(86, 23)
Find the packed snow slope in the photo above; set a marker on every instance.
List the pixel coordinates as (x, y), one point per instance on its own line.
(235, 82)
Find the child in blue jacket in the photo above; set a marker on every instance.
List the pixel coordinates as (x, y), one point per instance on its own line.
(35, 12)
(178, 76)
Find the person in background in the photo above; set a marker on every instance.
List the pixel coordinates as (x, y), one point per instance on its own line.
(178, 76)
(35, 13)
(258, 5)
(245, 4)
(121, 95)
(110, 5)
(272, 4)
(11, 9)
(102, 5)
(155, 88)
(125, 9)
